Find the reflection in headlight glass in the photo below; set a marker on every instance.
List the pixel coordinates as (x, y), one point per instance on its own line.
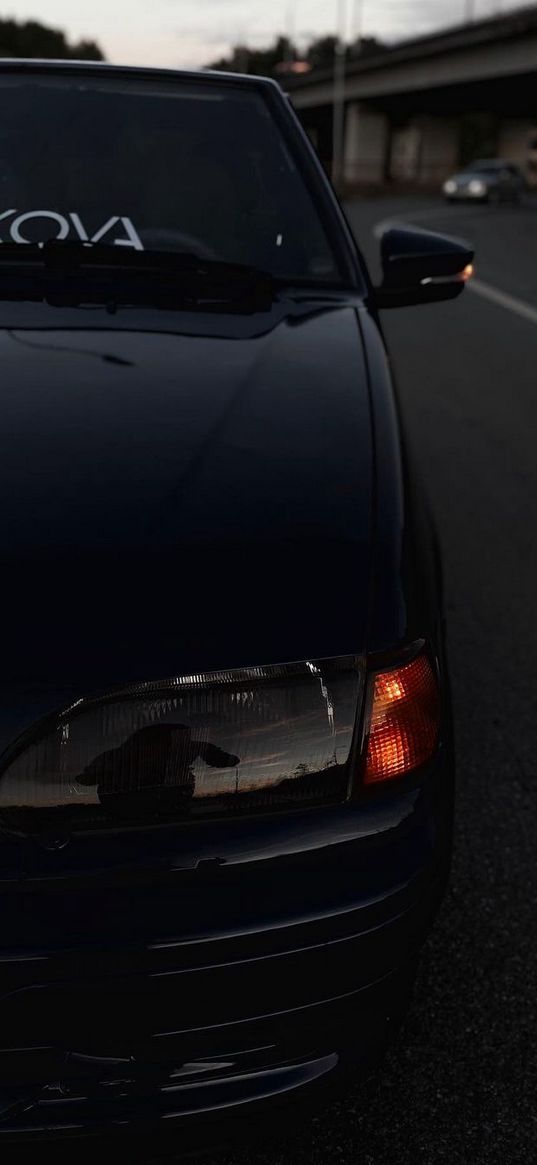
(229, 742)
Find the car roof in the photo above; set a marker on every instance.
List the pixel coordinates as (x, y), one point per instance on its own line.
(493, 163)
(37, 64)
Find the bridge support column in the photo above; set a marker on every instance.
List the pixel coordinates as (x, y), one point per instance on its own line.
(515, 139)
(439, 149)
(425, 151)
(366, 143)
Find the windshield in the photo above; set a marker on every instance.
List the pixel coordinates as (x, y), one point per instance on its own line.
(485, 167)
(177, 165)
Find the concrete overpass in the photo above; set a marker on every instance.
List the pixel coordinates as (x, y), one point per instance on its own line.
(417, 110)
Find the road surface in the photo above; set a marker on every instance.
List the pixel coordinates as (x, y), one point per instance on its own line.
(461, 1084)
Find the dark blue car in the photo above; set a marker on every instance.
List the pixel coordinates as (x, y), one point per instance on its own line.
(226, 778)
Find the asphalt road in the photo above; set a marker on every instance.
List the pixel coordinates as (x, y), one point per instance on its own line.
(460, 1086)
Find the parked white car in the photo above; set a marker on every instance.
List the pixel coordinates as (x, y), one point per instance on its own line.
(488, 180)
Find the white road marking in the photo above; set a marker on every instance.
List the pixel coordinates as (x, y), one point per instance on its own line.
(418, 215)
(518, 306)
(385, 225)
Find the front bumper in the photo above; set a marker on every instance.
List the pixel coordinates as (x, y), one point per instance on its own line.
(238, 1073)
(190, 1000)
(464, 194)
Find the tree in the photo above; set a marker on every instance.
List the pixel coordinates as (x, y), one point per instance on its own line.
(366, 46)
(262, 62)
(320, 54)
(31, 39)
(268, 62)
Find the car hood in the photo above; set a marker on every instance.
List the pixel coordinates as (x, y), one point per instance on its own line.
(176, 502)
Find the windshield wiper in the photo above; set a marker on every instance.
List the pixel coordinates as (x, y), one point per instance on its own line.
(71, 274)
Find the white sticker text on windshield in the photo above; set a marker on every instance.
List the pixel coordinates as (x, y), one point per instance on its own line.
(117, 231)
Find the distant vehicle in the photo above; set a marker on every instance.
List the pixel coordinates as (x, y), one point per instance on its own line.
(227, 780)
(487, 180)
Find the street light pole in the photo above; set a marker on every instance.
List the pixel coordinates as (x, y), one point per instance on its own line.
(470, 10)
(358, 22)
(291, 22)
(338, 106)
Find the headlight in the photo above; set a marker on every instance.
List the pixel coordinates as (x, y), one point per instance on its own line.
(450, 187)
(196, 746)
(477, 187)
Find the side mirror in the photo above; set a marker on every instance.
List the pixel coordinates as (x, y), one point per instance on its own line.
(421, 267)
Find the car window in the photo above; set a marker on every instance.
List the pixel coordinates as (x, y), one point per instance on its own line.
(173, 165)
(486, 167)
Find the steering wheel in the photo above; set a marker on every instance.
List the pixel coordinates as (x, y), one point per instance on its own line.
(165, 239)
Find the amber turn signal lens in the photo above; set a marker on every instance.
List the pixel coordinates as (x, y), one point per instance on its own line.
(405, 720)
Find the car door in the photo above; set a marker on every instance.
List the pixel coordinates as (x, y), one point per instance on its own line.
(517, 181)
(508, 183)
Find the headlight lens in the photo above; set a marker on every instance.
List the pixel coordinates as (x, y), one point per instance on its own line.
(477, 187)
(450, 186)
(228, 742)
